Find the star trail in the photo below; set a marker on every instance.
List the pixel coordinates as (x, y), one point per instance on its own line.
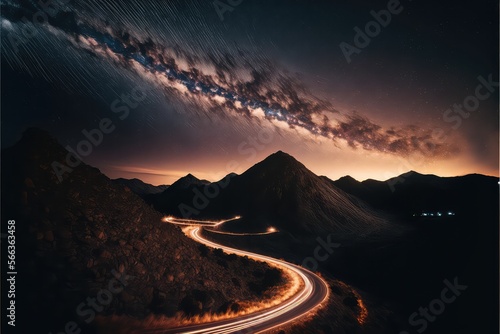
(188, 58)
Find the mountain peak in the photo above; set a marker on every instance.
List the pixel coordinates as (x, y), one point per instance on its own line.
(348, 178)
(282, 158)
(411, 172)
(278, 164)
(280, 153)
(190, 176)
(35, 131)
(188, 181)
(38, 136)
(34, 141)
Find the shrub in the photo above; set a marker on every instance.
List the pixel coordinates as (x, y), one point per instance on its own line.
(218, 252)
(204, 250)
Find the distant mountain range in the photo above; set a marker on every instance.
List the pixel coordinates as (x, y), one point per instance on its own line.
(141, 188)
(414, 193)
(278, 190)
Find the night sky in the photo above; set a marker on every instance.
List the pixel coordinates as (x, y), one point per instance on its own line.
(209, 88)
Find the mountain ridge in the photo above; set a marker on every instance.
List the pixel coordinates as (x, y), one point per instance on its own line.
(282, 191)
(140, 187)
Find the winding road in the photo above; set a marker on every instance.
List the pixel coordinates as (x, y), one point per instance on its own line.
(314, 291)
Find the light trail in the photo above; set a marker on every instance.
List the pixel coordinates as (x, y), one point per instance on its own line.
(195, 222)
(314, 292)
(270, 230)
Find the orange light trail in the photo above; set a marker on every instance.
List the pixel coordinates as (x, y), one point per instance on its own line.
(363, 313)
(241, 234)
(195, 222)
(302, 303)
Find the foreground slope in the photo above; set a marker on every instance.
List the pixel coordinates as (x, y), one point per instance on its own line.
(75, 236)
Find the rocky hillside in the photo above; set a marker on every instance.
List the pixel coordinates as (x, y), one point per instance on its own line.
(74, 237)
(181, 191)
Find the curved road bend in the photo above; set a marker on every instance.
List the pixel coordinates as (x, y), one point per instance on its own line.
(314, 292)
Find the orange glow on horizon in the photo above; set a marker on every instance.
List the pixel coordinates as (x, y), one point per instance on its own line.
(360, 169)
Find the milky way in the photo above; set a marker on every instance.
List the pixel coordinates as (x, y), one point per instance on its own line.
(219, 78)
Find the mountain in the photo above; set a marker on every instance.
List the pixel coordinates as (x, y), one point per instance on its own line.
(280, 191)
(74, 236)
(345, 182)
(187, 182)
(411, 193)
(180, 191)
(141, 188)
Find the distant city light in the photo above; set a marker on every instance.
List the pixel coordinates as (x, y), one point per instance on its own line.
(271, 229)
(434, 214)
